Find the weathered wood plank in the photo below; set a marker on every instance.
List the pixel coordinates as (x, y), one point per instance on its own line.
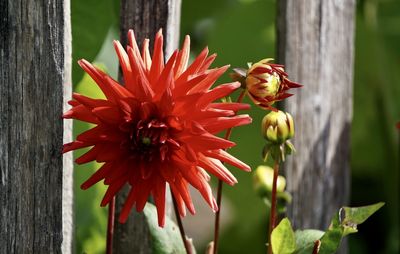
(316, 43)
(68, 164)
(146, 17)
(32, 73)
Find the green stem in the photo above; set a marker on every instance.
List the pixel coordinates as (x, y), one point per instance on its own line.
(272, 214)
(219, 190)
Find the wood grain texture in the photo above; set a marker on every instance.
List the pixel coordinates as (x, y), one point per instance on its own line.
(146, 17)
(67, 246)
(316, 43)
(32, 74)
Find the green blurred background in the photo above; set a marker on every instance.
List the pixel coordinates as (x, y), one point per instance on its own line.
(243, 31)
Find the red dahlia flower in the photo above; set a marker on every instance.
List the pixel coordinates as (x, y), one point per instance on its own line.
(159, 128)
(267, 83)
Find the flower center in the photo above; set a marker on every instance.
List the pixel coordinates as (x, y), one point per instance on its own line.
(273, 84)
(148, 140)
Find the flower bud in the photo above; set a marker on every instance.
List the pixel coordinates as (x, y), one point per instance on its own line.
(262, 81)
(277, 127)
(267, 83)
(263, 177)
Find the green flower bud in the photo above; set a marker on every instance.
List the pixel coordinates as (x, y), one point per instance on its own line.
(263, 178)
(277, 127)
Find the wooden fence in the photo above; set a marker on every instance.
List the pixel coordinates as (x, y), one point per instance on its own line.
(315, 41)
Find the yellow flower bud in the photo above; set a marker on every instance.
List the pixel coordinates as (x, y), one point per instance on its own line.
(262, 81)
(263, 177)
(277, 127)
(267, 83)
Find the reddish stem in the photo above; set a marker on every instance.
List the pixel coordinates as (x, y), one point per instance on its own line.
(219, 190)
(317, 245)
(272, 214)
(110, 226)
(216, 225)
(186, 243)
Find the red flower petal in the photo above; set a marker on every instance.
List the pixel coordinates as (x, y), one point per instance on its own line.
(142, 88)
(109, 115)
(217, 124)
(125, 65)
(81, 113)
(217, 93)
(88, 156)
(182, 188)
(75, 145)
(226, 157)
(130, 200)
(98, 77)
(207, 141)
(212, 76)
(99, 175)
(230, 106)
(112, 190)
(216, 168)
(159, 200)
(157, 64)
(166, 77)
(179, 201)
(89, 102)
(146, 55)
(193, 68)
(207, 63)
(183, 58)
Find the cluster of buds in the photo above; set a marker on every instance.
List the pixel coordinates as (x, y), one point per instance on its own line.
(266, 83)
(277, 128)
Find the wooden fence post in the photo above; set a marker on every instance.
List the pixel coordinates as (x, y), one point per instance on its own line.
(146, 17)
(34, 47)
(68, 163)
(316, 43)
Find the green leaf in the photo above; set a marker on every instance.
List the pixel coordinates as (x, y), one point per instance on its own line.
(345, 222)
(165, 240)
(305, 240)
(330, 242)
(357, 215)
(352, 216)
(283, 239)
